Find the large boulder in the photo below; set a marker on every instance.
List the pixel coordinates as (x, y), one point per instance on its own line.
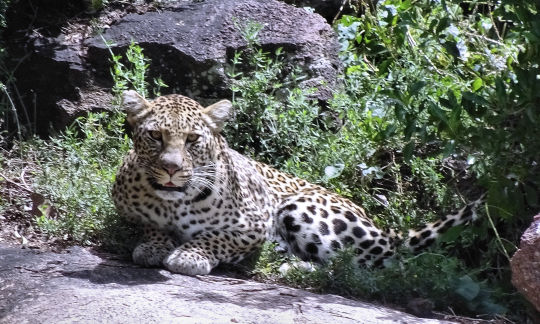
(63, 64)
(82, 286)
(526, 264)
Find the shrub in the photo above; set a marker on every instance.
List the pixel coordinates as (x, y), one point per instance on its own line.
(443, 280)
(273, 119)
(75, 175)
(436, 108)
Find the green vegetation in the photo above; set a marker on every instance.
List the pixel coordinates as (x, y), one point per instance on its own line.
(438, 106)
(74, 176)
(443, 280)
(440, 103)
(77, 180)
(264, 104)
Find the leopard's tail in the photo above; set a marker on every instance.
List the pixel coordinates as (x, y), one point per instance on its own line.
(424, 236)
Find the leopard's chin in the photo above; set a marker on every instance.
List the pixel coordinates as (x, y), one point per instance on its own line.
(171, 195)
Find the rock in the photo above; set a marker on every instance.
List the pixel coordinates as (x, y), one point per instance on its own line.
(526, 264)
(329, 9)
(47, 69)
(63, 65)
(84, 287)
(191, 45)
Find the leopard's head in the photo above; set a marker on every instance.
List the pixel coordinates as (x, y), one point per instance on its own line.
(176, 140)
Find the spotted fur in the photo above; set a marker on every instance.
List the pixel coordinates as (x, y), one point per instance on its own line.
(203, 203)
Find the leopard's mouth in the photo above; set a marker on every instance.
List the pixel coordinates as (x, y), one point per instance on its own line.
(167, 187)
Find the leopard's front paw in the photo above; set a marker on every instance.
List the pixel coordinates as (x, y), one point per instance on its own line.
(150, 254)
(188, 262)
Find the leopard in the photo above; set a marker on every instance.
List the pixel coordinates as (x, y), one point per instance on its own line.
(201, 203)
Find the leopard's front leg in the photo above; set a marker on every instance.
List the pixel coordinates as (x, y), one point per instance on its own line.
(200, 255)
(154, 248)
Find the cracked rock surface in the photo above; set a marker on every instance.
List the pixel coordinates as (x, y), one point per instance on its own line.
(83, 287)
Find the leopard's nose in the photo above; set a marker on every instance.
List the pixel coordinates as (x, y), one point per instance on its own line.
(171, 161)
(171, 168)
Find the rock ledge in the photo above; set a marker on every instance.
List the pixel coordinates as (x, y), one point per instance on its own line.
(82, 287)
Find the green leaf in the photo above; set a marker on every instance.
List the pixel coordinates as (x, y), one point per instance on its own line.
(452, 234)
(416, 87)
(452, 49)
(384, 66)
(405, 5)
(477, 84)
(409, 129)
(433, 23)
(443, 24)
(437, 112)
(400, 111)
(408, 151)
(389, 131)
(475, 105)
(452, 99)
(333, 171)
(467, 288)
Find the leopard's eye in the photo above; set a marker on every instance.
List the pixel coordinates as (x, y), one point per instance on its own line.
(192, 138)
(155, 134)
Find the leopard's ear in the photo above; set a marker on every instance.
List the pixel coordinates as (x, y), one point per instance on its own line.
(135, 106)
(216, 114)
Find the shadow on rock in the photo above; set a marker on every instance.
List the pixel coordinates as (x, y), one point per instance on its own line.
(119, 273)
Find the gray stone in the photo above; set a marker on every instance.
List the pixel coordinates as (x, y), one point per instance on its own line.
(83, 287)
(63, 66)
(191, 45)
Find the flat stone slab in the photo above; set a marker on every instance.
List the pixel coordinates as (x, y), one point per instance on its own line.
(84, 287)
